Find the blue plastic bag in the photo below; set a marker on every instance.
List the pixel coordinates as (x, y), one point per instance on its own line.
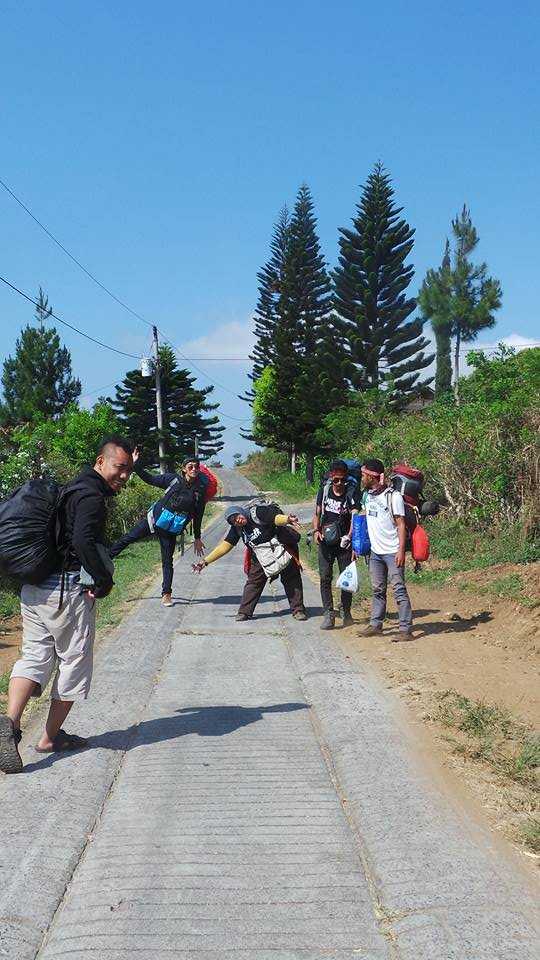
(361, 543)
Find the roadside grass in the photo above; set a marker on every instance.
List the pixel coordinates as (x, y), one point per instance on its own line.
(9, 599)
(457, 549)
(133, 569)
(269, 473)
(488, 734)
(530, 834)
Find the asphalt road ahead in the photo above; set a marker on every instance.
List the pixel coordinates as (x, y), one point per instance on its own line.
(250, 795)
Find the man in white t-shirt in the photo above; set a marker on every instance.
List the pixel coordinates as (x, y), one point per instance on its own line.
(385, 514)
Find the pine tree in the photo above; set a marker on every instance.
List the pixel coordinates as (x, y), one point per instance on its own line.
(184, 413)
(37, 382)
(298, 341)
(434, 302)
(474, 297)
(459, 298)
(266, 312)
(384, 345)
(319, 380)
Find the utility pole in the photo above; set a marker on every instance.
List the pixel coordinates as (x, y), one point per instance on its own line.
(196, 446)
(159, 408)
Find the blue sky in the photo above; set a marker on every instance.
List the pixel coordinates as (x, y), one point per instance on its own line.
(159, 143)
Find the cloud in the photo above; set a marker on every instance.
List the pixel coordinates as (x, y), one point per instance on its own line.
(518, 342)
(232, 341)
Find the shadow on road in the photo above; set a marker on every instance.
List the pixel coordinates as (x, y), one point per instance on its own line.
(215, 721)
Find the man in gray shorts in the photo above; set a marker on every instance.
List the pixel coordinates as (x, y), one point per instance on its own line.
(63, 635)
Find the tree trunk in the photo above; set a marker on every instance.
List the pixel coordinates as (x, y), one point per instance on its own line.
(456, 365)
(293, 459)
(443, 373)
(310, 466)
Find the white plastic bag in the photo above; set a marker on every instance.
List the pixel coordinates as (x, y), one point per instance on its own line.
(348, 579)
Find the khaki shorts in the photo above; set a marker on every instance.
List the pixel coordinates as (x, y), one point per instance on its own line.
(54, 637)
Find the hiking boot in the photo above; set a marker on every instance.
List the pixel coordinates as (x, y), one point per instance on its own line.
(372, 631)
(167, 600)
(10, 758)
(300, 615)
(404, 635)
(240, 617)
(329, 620)
(347, 619)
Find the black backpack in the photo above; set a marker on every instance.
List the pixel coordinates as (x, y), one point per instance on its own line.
(31, 531)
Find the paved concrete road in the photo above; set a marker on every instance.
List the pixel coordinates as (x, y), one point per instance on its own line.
(250, 796)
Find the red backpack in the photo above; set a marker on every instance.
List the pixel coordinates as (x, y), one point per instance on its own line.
(409, 482)
(210, 483)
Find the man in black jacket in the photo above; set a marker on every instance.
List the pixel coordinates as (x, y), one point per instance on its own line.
(62, 634)
(184, 497)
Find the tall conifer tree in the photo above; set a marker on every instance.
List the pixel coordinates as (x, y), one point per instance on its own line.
(184, 413)
(270, 278)
(370, 285)
(37, 382)
(298, 344)
(460, 299)
(320, 384)
(434, 304)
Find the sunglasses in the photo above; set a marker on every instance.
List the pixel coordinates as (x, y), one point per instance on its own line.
(339, 479)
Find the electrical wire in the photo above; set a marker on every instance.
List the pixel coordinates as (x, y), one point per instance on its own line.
(117, 299)
(87, 336)
(71, 256)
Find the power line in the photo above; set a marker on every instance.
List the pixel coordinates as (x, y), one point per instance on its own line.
(87, 336)
(109, 292)
(71, 256)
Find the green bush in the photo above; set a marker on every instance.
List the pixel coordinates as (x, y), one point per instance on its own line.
(481, 457)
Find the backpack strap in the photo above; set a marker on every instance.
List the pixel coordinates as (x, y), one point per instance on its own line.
(326, 491)
(388, 494)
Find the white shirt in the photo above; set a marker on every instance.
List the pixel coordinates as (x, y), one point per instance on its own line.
(382, 530)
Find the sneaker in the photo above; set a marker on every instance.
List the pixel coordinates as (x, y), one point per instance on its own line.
(347, 620)
(167, 600)
(300, 615)
(240, 617)
(10, 758)
(372, 631)
(329, 620)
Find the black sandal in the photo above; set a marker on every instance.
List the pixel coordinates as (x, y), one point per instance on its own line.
(10, 758)
(63, 742)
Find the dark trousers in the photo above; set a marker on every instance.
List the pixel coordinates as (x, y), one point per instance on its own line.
(327, 557)
(167, 543)
(255, 583)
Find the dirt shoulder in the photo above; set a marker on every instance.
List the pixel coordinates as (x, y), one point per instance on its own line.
(485, 648)
(470, 681)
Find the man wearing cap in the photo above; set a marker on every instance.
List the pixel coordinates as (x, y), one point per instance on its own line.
(259, 527)
(331, 524)
(184, 497)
